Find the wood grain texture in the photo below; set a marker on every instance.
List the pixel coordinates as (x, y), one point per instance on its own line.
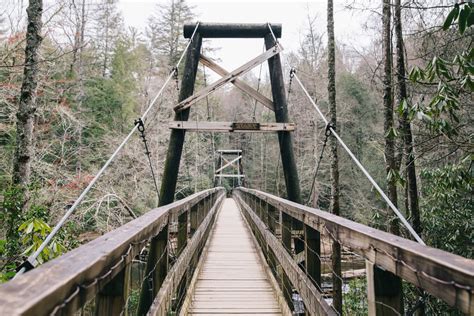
(40, 290)
(232, 279)
(230, 127)
(238, 83)
(445, 275)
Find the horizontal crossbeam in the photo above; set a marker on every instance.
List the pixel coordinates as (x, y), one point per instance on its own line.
(232, 30)
(186, 103)
(229, 176)
(232, 127)
(209, 63)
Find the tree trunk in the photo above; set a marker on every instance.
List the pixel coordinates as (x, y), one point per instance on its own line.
(411, 195)
(334, 206)
(405, 124)
(27, 105)
(388, 287)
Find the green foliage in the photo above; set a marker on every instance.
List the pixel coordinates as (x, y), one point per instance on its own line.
(355, 300)
(464, 16)
(447, 206)
(27, 230)
(33, 232)
(452, 78)
(10, 218)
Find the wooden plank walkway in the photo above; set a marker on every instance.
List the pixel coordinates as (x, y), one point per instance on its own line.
(232, 279)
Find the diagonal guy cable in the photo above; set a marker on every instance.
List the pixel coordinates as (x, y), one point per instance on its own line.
(349, 152)
(31, 261)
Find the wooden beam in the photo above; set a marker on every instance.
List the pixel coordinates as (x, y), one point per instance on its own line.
(229, 151)
(285, 140)
(229, 175)
(445, 275)
(228, 164)
(232, 30)
(209, 63)
(225, 127)
(185, 104)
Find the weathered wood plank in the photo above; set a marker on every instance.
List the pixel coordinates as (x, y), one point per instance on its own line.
(232, 279)
(232, 30)
(185, 104)
(230, 127)
(313, 299)
(209, 63)
(446, 276)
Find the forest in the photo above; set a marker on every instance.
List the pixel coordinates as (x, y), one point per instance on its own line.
(74, 77)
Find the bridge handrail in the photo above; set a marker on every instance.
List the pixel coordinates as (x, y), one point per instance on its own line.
(74, 278)
(445, 275)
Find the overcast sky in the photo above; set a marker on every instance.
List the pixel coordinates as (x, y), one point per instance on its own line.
(293, 15)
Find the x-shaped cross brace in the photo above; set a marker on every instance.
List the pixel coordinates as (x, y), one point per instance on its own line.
(231, 77)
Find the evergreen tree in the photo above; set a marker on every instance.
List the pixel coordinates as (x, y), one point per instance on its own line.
(166, 28)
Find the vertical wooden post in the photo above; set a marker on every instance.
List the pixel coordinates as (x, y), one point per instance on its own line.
(286, 241)
(182, 242)
(383, 299)
(272, 215)
(281, 116)
(157, 260)
(313, 254)
(175, 147)
(194, 218)
(182, 231)
(298, 240)
(111, 300)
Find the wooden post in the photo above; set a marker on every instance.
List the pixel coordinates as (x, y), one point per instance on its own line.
(182, 231)
(286, 241)
(151, 285)
(312, 255)
(281, 116)
(175, 147)
(111, 300)
(272, 215)
(382, 299)
(194, 218)
(182, 242)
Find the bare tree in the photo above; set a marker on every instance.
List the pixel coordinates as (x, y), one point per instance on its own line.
(27, 101)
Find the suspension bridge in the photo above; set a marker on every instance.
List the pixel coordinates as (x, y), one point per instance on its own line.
(241, 252)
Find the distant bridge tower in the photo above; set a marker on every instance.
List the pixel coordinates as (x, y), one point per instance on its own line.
(229, 168)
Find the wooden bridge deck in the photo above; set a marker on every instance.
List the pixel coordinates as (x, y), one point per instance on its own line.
(232, 279)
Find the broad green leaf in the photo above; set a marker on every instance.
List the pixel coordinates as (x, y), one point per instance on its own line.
(463, 15)
(451, 17)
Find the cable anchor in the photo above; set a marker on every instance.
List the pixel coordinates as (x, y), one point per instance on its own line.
(175, 73)
(328, 131)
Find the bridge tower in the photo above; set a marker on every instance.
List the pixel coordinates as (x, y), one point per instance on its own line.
(187, 98)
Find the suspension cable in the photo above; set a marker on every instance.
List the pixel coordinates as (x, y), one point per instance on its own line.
(327, 133)
(349, 152)
(141, 129)
(30, 263)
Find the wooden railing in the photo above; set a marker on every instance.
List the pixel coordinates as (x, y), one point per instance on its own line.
(99, 271)
(444, 275)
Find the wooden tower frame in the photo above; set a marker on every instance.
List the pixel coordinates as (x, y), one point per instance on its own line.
(187, 98)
